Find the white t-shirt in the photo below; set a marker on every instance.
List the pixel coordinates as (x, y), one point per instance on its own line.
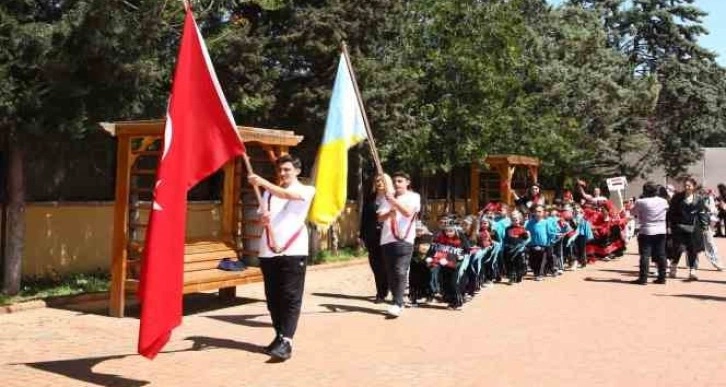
(286, 218)
(411, 200)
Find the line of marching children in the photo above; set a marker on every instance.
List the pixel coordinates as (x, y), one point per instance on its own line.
(467, 254)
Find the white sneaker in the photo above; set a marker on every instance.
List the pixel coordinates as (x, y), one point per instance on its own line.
(488, 284)
(692, 275)
(673, 271)
(717, 266)
(394, 310)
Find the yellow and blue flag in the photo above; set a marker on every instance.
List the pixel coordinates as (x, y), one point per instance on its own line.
(344, 127)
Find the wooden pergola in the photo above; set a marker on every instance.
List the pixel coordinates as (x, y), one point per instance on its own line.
(138, 152)
(505, 166)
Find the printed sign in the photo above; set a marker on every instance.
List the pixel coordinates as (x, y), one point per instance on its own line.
(617, 183)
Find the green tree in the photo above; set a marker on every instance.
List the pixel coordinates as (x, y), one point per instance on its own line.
(66, 65)
(597, 107)
(660, 39)
(47, 69)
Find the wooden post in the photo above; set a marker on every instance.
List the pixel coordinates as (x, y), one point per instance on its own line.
(117, 302)
(505, 186)
(475, 188)
(533, 169)
(228, 200)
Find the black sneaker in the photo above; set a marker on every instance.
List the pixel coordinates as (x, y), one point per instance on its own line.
(639, 281)
(273, 344)
(282, 351)
(660, 281)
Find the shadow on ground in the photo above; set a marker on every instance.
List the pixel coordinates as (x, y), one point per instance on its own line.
(193, 304)
(82, 369)
(629, 273)
(338, 308)
(247, 320)
(607, 280)
(344, 296)
(205, 342)
(701, 297)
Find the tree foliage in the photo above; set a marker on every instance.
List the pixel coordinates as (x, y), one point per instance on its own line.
(593, 87)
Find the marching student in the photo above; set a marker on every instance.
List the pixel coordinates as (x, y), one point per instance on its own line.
(398, 216)
(487, 255)
(284, 251)
(419, 276)
(560, 228)
(370, 233)
(514, 245)
(450, 252)
(542, 234)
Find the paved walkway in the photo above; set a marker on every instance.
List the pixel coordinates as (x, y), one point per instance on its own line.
(588, 328)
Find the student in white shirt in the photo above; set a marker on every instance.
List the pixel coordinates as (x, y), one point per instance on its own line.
(398, 216)
(284, 251)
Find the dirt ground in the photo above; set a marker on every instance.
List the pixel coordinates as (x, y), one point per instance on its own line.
(587, 328)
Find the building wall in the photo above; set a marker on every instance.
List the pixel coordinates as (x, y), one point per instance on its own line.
(63, 238)
(709, 171)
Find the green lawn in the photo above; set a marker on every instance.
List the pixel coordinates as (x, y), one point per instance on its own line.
(344, 254)
(40, 288)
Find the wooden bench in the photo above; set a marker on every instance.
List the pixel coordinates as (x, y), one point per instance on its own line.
(138, 153)
(201, 259)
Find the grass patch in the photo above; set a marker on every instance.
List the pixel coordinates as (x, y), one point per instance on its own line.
(344, 254)
(40, 288)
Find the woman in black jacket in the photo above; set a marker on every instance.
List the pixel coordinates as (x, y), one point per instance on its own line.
(721, 210)
(687, 218)
(370, 233)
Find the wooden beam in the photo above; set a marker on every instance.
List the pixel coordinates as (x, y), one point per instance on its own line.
(155, 128)
(119, 252)
(512, 160)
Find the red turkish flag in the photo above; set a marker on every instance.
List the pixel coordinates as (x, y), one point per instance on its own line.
(199, 137)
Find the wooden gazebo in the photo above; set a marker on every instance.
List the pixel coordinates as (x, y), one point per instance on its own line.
(138, 152)
(504, 166)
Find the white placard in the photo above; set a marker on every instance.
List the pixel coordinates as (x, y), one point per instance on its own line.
(617, 183)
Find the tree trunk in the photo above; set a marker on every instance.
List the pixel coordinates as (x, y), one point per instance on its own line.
(450, 206)
(15, 220)
(424, 215)
(314, 242)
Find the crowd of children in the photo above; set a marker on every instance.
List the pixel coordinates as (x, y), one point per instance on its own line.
(500, 243)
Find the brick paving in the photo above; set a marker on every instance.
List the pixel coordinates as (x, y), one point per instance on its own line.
(588, 328)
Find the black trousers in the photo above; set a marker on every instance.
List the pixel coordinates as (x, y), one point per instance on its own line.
(721, 223)
(397, 257)
(652, 246)
(580, 250)
(284, 278)
(375, 259)
(538, 260)
(685, 242)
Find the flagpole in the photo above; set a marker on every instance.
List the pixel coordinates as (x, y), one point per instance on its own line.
(245, 157)
(371, 142)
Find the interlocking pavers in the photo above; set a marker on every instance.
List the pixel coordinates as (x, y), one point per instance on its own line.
(587, 328)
